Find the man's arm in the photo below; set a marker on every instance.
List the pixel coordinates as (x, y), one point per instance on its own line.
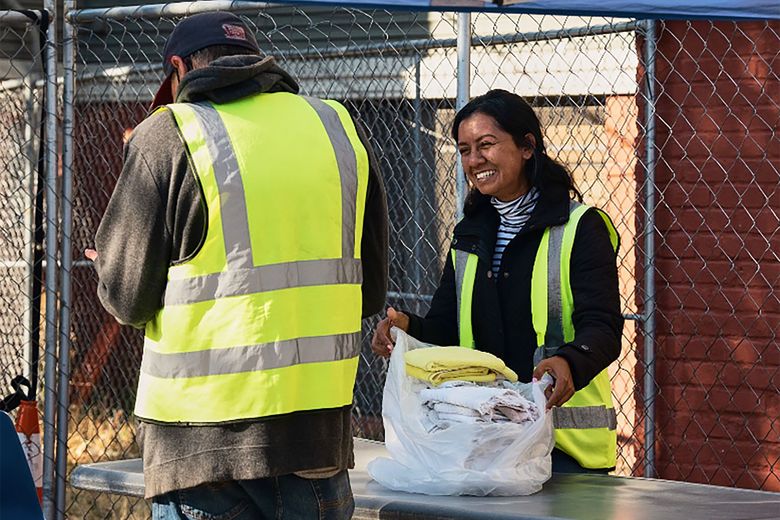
(155, 193)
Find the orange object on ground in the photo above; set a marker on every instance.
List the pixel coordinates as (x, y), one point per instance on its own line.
(29, 430)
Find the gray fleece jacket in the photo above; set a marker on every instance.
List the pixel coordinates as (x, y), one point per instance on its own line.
(156, 218)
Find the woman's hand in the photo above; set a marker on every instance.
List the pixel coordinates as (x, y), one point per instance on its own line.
(563, 388)
(382, 343)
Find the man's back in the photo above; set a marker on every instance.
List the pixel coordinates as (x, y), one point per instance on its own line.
(159, 224)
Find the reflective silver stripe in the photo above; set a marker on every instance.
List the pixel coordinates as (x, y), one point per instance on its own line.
(553, 336)
(251, 358)
(347, 163)
(235, 223)
(460, 272)
(583, 417)
(263, 278)
(241, 276)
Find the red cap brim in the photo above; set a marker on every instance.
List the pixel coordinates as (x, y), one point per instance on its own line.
(163, 96)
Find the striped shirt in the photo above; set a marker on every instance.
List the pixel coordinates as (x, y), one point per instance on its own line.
(514, 215)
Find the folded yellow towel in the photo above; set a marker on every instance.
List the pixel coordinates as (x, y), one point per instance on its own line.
(439, 364)
(477, 375)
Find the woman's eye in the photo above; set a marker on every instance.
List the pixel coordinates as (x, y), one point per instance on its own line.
(463, 151)
(485, 145)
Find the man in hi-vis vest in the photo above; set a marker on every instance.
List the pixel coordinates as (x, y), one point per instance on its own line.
(247, 235)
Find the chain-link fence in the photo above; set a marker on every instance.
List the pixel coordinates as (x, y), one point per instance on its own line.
(396, 72)
(28, 271)
(717, 216)
(20, 116)
(671, 127)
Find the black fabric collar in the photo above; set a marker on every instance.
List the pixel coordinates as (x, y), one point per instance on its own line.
(476, 232)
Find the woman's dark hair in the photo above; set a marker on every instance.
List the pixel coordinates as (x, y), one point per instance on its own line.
(517, 118)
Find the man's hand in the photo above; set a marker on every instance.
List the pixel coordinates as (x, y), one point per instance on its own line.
(382, 343)
(563, 388)
(90, 254)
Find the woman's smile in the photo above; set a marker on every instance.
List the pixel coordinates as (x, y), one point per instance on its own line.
(486, 174)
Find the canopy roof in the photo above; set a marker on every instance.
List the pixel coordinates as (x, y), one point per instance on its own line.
(701, 9)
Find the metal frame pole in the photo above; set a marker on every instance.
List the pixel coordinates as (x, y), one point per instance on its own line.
(463, 95)
(166, 10)
(69, 72)
(50, 355)
(31, 129)
(418, 191)
(29, 214)
(648, 324)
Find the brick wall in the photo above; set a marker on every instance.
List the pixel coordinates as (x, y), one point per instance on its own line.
(718, 272)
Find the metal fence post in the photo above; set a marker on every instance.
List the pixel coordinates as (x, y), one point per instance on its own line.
(50, 357)
(648, 323)
(29, 217)
(464, 92)
(418, 179)
(68, 94)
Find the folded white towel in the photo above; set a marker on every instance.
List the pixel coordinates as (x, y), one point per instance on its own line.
(516, 416)
(489, 402)
(454, 409)
(458, 418)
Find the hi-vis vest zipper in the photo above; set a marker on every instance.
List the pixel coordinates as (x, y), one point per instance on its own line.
(266, 318)
(585, 427)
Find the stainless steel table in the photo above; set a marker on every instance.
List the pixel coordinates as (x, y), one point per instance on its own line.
(565, 496)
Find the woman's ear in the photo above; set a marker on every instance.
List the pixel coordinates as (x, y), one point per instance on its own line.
(529, 151)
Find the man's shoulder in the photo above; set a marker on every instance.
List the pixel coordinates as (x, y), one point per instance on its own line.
(157, 129)
(155, 146)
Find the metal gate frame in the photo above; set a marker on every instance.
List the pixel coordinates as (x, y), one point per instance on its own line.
(58, 298)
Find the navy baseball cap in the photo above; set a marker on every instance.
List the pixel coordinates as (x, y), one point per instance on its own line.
(197, 32)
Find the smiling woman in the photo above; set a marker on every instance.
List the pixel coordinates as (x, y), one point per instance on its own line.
(531, 277)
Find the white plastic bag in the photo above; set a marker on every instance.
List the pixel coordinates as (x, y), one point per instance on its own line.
(464, 459)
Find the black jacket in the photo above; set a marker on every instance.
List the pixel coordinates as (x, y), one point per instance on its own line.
(501, 306)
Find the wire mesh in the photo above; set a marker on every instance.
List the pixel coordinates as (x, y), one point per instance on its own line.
(716, 212)
(717, 216)
(396, 72)
(20, 112)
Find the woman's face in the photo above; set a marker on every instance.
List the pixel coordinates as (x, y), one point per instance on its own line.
(493, 163)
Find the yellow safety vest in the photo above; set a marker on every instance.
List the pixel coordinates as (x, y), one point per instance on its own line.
(265, 319)
(585, 426)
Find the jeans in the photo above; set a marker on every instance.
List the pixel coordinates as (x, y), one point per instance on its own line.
(285, 497)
